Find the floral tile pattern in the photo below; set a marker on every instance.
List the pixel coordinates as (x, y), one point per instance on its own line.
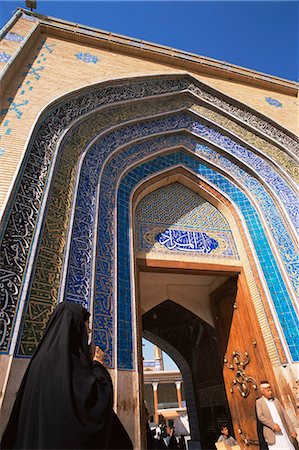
(273, 102)
(87, 57)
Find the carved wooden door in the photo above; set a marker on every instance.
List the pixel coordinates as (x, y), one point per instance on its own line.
(245, 359)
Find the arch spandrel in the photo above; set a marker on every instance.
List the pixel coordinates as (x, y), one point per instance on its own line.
(174, 87)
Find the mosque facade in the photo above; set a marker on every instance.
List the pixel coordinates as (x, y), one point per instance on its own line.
(157, 188)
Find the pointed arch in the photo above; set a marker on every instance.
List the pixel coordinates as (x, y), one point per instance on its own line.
(39, 185)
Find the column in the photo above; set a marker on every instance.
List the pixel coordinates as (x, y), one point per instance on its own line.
(179, 394)
(155, 391)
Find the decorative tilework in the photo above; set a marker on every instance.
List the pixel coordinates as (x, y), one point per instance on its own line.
(45, 46)
(283, 160)
(179, 205)
(147, 234)
(105, 268)
(86, 204)
(100, 151)
(24, 88)
(282, 302)
(187, 241)
(87, 186)
(273, 102)
(35, 71)
(15, 37)
(38, 313)
(87, 57)
(260, 166)
(20, 228)
(4, 57)
(177, 209)
(59, 211)
(14, 107)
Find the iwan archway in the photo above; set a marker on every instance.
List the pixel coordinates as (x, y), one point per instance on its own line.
(68, 231)
(195, 305)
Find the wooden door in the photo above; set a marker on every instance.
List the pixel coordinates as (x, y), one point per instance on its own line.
(244, 356)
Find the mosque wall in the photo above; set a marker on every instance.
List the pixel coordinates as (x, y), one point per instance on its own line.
(164, 122)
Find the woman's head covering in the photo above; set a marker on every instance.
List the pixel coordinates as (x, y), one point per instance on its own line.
(63, 402)
(65, 334)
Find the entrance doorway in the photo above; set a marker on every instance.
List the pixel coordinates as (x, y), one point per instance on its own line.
(164, 395)
(177, 317)
(206, 322)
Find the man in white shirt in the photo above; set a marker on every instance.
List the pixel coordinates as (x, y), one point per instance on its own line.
(278, 429)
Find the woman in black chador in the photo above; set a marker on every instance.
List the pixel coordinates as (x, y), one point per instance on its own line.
(65, 399)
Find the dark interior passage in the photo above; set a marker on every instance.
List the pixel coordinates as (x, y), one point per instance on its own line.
(172, 326)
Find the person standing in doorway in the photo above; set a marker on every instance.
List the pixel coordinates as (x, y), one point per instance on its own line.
(278, 429)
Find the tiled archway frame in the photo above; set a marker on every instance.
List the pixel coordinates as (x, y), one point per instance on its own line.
(106, 324)
(92, 165)
(80, 265)
(53, 240)
(109, 180)
(24, 216)
(244, 245)
(102, 241)
(79, 268)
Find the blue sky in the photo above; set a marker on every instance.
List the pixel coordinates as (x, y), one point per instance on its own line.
(148, 354)
(260, 35)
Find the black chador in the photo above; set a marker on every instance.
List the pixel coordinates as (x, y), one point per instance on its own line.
(65, 399)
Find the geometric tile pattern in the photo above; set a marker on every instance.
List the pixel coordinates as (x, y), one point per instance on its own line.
(56, 224)
(265, 148)
(176, 219)
(105, 256)
(103, 312)
(57, 217)
(33, 71)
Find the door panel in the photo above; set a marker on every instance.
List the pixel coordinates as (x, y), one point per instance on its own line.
(244, 356)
